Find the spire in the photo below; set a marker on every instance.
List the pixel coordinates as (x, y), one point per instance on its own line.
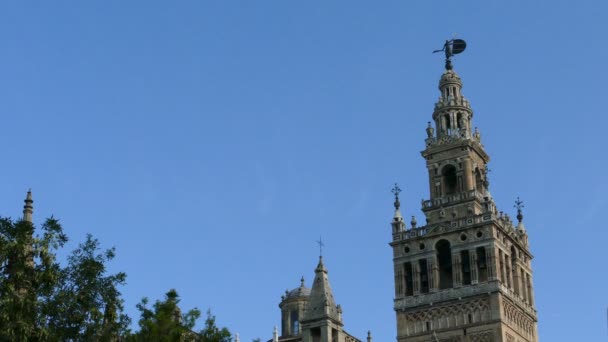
(28, 208)
(321, 304)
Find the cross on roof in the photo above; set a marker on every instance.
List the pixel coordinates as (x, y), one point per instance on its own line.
(321, 245)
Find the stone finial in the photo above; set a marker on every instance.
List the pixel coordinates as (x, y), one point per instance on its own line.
(369, 336)
(237, 338)
(477, 135)
(413, 222)
(28, 208)
(396, 190)
(275, 334)
(430, 131)
(302, 281)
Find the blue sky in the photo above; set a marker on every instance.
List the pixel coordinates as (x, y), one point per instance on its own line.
(212, 142)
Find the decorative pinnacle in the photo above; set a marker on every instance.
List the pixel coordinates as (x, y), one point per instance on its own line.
(519, 205)
(396, 191)
(302, 281)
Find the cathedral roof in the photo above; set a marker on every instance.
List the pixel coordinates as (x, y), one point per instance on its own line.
(299, 292)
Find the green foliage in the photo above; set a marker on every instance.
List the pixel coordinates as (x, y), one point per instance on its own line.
(42, 301)
(211, 333)
(164, 322)
(86, 304)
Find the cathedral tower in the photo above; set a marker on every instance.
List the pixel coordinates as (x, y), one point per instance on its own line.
(465, 275)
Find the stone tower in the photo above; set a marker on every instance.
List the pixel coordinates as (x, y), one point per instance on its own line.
(466, 274)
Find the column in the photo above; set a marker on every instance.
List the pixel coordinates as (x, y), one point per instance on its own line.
(507, 271)
(453, 123)
(306, 336)
(399, 290)
(473, 265)
(433, 273)
(416, 271)
(325, 333)
(524, 288)
(468, 175)
(456, 269)
(530, 289)
(515, 272)
(501, 268)
(432, 183)
(490, 263)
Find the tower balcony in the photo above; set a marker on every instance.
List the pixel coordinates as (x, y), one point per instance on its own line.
(445, 226)
(452, 199)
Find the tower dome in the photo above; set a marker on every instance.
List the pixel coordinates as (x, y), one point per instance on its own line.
(293, 306)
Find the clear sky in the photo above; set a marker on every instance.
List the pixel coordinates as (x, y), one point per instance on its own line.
(212, 142)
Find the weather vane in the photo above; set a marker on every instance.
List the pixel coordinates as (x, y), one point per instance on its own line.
(519, 205)
(321, 245)
(396, 190)
(452, 47)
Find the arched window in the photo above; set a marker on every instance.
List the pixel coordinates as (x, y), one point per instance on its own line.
(444, 260)
(450, 180)
(295, 323)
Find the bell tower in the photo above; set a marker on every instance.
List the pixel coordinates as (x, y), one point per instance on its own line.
(466, 275)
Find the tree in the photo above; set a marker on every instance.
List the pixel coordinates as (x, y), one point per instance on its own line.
(28, 277)
(165, 323)
(42, 301)
(211, 333)
(86, 303)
